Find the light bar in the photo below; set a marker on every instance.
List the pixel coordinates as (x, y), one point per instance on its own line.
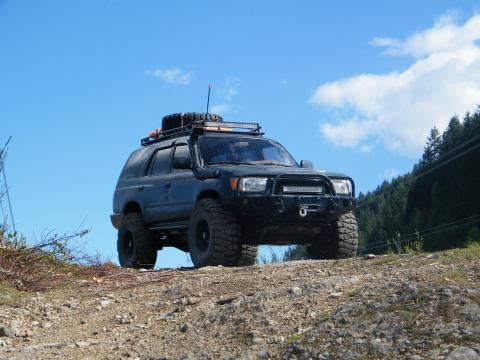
(233, 125)
(218, 126)
(303, 189)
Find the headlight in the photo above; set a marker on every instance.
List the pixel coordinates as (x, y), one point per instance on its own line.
(252, 184)
(342, 187)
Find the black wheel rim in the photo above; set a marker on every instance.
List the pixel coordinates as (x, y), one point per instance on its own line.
(128, 245)
(203, 235)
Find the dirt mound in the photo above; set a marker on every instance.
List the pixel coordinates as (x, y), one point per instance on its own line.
(412, 307)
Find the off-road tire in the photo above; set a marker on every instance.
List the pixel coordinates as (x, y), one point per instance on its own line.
(340, 242)
(221, 246)
(177, 120)
(247, 255)
(135, 245)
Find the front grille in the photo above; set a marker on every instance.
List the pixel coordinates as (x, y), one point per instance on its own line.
(301, 185)
(303, 189)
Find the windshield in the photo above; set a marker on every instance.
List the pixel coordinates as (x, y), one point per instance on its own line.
(251, 151)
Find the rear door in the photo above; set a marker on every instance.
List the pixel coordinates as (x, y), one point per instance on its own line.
(155, 190)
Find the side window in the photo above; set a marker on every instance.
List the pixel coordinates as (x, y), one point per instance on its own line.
(183, 151)
(161, 162)
(132, 166)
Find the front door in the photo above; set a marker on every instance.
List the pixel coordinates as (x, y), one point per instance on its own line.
(181, 184)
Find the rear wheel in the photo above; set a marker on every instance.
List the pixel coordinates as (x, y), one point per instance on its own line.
(135, 244)
(340, 241)
(213, 236)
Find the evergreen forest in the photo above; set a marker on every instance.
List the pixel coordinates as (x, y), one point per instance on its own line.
(436, 206)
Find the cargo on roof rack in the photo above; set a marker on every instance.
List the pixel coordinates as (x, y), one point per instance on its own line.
(158, 135)
(173, 121)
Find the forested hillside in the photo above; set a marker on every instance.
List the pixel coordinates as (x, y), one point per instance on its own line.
(435, 206)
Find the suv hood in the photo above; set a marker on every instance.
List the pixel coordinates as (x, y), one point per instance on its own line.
(270, 170)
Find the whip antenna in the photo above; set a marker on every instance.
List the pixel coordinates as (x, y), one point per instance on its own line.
(208, 98)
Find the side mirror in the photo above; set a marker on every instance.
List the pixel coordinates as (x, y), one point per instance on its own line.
(182, 162)
(306, 164)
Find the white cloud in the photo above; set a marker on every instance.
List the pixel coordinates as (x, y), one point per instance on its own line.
(389, 174)
(173, 76)
(221, 109)
(399, 108)
(226, 93)
(445, 35)
(347, 133)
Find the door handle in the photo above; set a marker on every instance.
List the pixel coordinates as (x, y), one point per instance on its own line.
(168, 183)
(141, 188)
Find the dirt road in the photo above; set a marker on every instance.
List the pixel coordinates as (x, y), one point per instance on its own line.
(384, 307)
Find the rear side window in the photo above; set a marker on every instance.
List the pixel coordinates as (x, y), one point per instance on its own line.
(132, 166)
(161, 162)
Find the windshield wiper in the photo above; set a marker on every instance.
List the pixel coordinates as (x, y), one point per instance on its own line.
(267, 162)
(229, 162)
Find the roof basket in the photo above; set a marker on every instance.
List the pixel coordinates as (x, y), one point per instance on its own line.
(158, 135)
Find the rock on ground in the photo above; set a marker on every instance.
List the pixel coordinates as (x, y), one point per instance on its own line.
(463, 353)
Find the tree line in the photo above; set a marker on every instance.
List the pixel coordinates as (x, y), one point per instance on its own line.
(434, 206)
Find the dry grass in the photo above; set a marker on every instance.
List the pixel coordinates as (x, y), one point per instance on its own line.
(54, 264)
(33, 270)
(354, 292)
(9, 294)
(457, 277)
(49, 264)
(470, 252)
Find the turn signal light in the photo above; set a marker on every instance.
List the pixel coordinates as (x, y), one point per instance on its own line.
(234, 183)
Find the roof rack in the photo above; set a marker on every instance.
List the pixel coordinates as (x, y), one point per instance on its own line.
(211, 126)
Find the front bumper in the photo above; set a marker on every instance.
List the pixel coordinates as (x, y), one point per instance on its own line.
(289, 198)
(287, 220)
(293, 208)
(116, 220)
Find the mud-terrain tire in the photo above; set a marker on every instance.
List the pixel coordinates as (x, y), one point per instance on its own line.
(135, 244)
(247, 255)
(174, 121)
(340, 242)
(213, 235)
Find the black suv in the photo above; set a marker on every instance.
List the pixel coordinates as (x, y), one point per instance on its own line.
(219, 189)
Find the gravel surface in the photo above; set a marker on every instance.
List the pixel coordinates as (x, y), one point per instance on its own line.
(383, 307)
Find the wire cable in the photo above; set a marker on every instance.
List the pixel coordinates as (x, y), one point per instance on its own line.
(429, 231)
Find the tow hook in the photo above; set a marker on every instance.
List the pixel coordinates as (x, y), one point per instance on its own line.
(302, 211)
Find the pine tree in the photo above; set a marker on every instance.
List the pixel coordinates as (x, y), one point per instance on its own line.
(432, 149)
(452, 135)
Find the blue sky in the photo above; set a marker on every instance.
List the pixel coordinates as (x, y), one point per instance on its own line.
(344, 84)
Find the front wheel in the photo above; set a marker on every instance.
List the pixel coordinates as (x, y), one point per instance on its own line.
(247, 255)
(213, 235)
(135, 244)
(339, 242)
